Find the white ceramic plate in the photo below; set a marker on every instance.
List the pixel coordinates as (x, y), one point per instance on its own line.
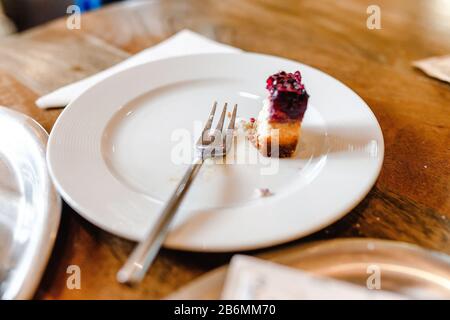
(406, 269)
(111, 154)
(30, 208)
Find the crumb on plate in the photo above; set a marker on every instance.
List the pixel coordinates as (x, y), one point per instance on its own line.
(263, 192)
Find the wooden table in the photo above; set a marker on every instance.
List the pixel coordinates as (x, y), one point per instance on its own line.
(410, 201)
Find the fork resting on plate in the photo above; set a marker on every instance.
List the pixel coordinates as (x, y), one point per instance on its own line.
(210, 145)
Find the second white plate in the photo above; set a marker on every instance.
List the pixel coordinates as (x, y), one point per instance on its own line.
(116, 154)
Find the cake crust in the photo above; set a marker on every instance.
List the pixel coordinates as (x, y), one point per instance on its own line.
(284, 150)
(282, 136)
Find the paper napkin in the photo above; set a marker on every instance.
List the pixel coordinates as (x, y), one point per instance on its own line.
(249, 278)
(184, 42)
(436, 67)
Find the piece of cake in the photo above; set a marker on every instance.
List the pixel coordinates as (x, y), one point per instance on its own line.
(281, 116)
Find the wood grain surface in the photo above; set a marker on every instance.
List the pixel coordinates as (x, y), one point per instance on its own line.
(410, 201)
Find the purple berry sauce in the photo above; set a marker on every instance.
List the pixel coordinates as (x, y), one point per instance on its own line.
(288, 97)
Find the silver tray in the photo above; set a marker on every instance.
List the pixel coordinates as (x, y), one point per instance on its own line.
(30, 208)
(406, 269)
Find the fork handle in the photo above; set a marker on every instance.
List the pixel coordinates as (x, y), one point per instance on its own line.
(135, 268)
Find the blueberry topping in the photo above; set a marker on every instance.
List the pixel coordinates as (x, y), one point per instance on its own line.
(288, 96)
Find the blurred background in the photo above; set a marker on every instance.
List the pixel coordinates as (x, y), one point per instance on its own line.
(19, 15)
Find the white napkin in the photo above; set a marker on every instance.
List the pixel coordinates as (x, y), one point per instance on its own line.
(250, 278)
(436, 67)
(184, 42)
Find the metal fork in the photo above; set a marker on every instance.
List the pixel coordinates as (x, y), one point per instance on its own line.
(209, 145)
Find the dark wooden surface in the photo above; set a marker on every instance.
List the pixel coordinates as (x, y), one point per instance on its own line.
(410, 201)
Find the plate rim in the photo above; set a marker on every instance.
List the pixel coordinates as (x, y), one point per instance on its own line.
(224, 248)
(283, 256)
(46, 237)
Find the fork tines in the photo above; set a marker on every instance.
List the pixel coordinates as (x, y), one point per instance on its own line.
(208, 140)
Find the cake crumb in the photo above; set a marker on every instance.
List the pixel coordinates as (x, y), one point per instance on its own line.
(245, 127)
(249, 125)
(263, 192)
